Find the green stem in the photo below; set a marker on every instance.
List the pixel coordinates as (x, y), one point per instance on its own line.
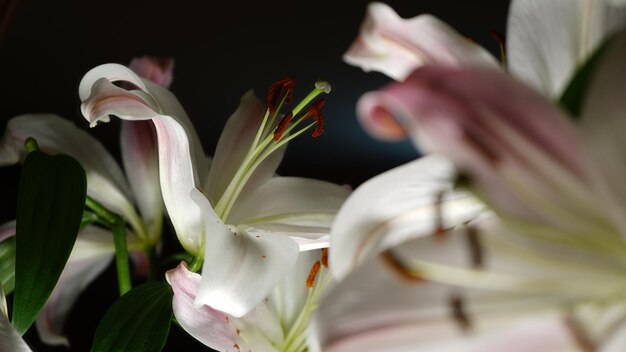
(118, 227)
(121, 257)
(196, 264)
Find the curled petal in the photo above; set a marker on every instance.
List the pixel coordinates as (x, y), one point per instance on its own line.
(240, 269)
(548, 40)
(396, 46)
(156, 69)
(176, 158)
(413, 200)
(520, 153)
(233, 146)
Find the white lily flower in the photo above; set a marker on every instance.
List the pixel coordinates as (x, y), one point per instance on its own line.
(278, 323)
(247, 223)
(547, 273)
(546, 41)
(107, 184)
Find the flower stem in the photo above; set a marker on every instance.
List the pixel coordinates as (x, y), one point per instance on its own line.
(118, 227)
(196, 264)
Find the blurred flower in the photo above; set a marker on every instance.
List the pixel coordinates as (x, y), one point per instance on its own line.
(545, 44)
(10, 340)
(247, 223)
(545, 274)
(278, 323)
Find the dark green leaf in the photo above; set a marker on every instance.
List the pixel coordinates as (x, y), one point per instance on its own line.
(7, 265)
(138, 321)
(573, 98)
(51, 200)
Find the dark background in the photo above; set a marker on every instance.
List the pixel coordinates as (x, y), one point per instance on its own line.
(221, 51)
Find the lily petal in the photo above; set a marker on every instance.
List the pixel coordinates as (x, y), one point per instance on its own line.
(294, 206)
(240, 269)
(140, 159)
(378, 308)
(91, 255)
(396, 46)
(10, 340)
(509, 148)
(156, 69)
(176, 166)
(378, 216)
(602, 120)
(233, 146)
(54, 134)
(548, 40)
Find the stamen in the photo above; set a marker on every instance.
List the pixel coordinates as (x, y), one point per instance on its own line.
(280, 90)
(458, 312)
(500, 38)
(315, 110)
(440, 231)
(398, 267)
(282, 126)
(310, 280)
(581, 338)
(324, 258)
(475, 248)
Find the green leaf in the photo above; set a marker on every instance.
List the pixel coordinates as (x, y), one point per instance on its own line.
(573, 98)
(138, 321)
(51, 200)
(7, 265)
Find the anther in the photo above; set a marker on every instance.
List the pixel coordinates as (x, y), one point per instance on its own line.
(315, 111)
(440, 231)
(282, 126)
(324, 258)
(458, 312)
(282, 89)
(475, 248)
(398, 267)
(310, 280)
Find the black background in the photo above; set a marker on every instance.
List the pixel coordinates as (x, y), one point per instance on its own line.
(221, 50)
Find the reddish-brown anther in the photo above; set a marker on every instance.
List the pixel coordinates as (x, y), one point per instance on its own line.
(315, 110)
(324, 257)
(282, 126)
(310, 280)
(280, 90)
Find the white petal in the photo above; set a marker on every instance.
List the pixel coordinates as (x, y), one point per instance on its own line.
(396, 206)
(91, 255)
(234, 144)
(240, 269)
(176, 155)
(548, 40)
(10, 340)
(139, 155)
(54, 134)
(294, 206)
(396, 46)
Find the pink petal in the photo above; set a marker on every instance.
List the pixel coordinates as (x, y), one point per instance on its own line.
(156, 69)
(396, 46)
(10, 340)
(520, 150)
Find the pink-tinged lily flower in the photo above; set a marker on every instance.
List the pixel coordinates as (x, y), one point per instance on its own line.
(545, 274)
(546, 41)
(106, 183)
(10, 340)
(278, 323)
(247, 223)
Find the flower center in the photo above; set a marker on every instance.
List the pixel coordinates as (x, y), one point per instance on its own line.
(275, 131)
